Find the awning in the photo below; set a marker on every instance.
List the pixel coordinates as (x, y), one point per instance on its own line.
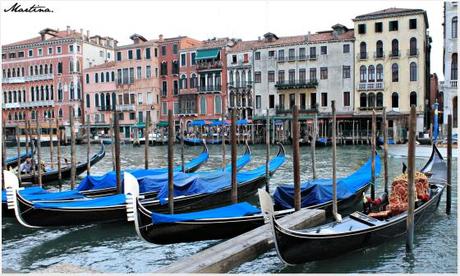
(139, 125)
(207, 53)
(198, 123)
(163, 124)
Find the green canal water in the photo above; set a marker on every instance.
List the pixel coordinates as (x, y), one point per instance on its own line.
(116, 248)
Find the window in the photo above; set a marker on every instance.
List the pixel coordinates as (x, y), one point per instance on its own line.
(312, 74)
(379, 49)
(362, 100)
(175, 49)
(378, 27)
(148, 71)
(164, 90)
(413, 98)
(380, 99)
(324, 50)
(138, 54)
(40, 52)
(50, 51)
(394, 72)
(31, 53)
(362, 28)
(147, 53)
(132, 116)
(59, 50)
(139, 72)
(183, 60)
(394, 48)
(346, 98)
(87, 78)
(346, 74)
(202, 105)
(281, 76)
(281, 54)
(291, 100)
(413, 46)
(164, 69)
(71, 48)
(371, 73)
(257, 77)
(271, 54)
(102, 76)
(245, 58)
(362, 50)
(313, 103)
(323, 99)
(183, 82)
(258, 101)
(96, 78)
(113, 76)
(88, 104)
(291, 54)
(107, 76)
(132, 99)
(302, 76)
(271, 76)
(175, 87)
(413, 23)
(362, 73)
(175, 67)
(292, 76)
(453, 67)
(217, 104)
(346, 48)
(281, 101)
(257, 56)
(394, 100)
(130, 54)
(393, 26)
(192, 57)
(125, 76)
(371, 100)
(413, 71)
(301, 53)
(323, 73)
(163, 50)
(271, 101)
(454, 27)
(312, 52)
(379, 72)
(119, 76)
(118, 56)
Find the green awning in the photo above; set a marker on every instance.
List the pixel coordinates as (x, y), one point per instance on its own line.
(207, 53)
(163, 124)
(139, 125)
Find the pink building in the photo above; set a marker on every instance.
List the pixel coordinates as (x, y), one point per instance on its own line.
(42, 75)
(130, 83)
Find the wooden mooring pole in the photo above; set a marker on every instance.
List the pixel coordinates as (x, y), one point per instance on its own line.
(267, 159)
(313, 145)
(334, 164)
(373, 140)
(58, 133)
(3, 155)
(233, 149)
(26, 131)
(170, 162)
(39, 158)
(182, 159)
(34, 144)
(18, 147)
(51, 143)
(146, 142)
(449, 165)
(88, 147)
(73, 150)
(411, 181)
(385, 150)
(296, 157)
(116, 134)
(112, 137)
(223, 138)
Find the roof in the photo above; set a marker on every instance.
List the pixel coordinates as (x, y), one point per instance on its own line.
(391, 12)
(57, 35)
(326, 36)
(102, 66)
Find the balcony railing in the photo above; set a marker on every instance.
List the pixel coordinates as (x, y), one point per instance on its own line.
(394, 54)
(243, 84)
(209, 65)
(104, 108)
(379, 55)
(39, 77)
(281, 109)
(29, 104)
(371, 85)
(295, 84)
(312, 57)
(412, 52)
(14, 80)
(370, 108)
(362, 56)
(209, 88)
(125, 107)
(188, 111)
(453, 83)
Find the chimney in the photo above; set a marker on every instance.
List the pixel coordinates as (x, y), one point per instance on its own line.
(87, 35)
(81, 33)
(68, 30)
(160, 37)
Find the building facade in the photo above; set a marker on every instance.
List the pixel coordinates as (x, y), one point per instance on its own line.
(392, 49)
(449, 86)
(42, 76)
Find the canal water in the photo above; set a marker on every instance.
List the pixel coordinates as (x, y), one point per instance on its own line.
(116, 248)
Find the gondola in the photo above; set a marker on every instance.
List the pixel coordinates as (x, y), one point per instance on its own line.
(355, 231)
(12, 162)
(323, 142)
(53, 175)
(109, 208)
(197, 141)
(229, 221)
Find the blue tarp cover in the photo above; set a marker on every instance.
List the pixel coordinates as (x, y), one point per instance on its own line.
(99, 202)
(26, 191)
(320, 190)
(198, 123)
(108, 180)
(234, 210)
(72, 194)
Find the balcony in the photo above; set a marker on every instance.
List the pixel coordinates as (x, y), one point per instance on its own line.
(394, 54)
(39, 77)
(302, 110)
(14, 80)
(104, 108)
(125, 107)
(296, 84)
(453, 83)
(312, 57)
(213, 65)
(412, 52)
(370, 108)
(379, 55)
(371, 85)
(281, 59)
(209, 88)
(188, 111)
(243, 84)
(362, 56)
(29, 104)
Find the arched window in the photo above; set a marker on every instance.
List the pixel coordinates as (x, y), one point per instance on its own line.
(102, 96)
(243, 78)
(183, 82)
(413, 46)
(52, 92)
(107, 101)
(32, 94)
(79, 90)
(14, 73)
(114, 100)
(395, 48)
(24, 95)
(51, 70)
(249, 76)
(362, 50)
(36, 70)
(96, 77)
(60, 94)
(379, 49)
(453, 67)
(41, 69)
(60, 113)
(96, 100)
(454, 27)
(102, 77)
(371, 100)
(31, 70)
(71, 90)
(379, 72)
(47, 93)
(363, 100)
(394, 100)
(380, 99)
(362, 73)
(413, 71)
(193, 81)
(9, 73)
(78, 66)
(237, 79)
(87, 99)
(15, 97)
(37, 93)
(230, 77)
(33, 114)
(413, 98)
(113, 76)
(42, 93)
(371, 73)
(5, 97)
(217, 104)
(394, 72)
(203, 105)
(46, 69)
(107, 76)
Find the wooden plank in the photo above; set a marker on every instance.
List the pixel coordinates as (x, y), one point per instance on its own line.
(233, 252)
